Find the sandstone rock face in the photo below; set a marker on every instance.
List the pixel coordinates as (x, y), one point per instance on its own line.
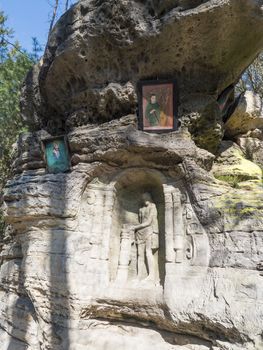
(231, 161)
(252, 147)
(149, 241)
(245, 125)
(99, 50)
(69, 272)
(247, 116)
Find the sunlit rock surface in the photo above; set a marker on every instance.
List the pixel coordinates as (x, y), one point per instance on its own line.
(247, 116)
(76, 271)
(100, 49)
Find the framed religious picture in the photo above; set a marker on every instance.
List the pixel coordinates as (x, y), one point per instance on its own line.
(56, 154)
(158, 103)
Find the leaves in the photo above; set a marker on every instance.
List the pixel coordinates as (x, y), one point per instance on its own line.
(12, 72)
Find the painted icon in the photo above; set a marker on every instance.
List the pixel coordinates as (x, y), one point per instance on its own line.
(157, 106)
(56, 154)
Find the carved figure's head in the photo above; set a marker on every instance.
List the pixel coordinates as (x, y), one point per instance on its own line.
(147, 198)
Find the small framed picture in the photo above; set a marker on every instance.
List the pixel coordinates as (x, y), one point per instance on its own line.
(56, 154)
(158, 104)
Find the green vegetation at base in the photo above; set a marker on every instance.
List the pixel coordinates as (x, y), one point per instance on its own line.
(232, 180)
(243, 202)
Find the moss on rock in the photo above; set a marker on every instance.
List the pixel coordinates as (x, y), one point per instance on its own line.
(231, 165)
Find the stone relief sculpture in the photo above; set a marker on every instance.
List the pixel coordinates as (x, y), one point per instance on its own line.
(145, 236)
(146, 228)
(71, 235)
(175, 227)
(154, 236)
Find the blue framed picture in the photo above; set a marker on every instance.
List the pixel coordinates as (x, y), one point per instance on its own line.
(56, 154)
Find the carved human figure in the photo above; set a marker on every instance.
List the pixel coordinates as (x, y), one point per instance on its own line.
(146, 236)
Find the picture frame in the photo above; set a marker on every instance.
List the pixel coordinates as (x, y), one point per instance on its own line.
(158, 105)
(56, 154)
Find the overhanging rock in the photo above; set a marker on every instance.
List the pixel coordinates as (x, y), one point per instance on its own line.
(149, 241)
(100, 49)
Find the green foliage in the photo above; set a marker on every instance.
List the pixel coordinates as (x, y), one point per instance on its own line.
(14, 64)
(232, 180)
(12, 73)
(4, 32)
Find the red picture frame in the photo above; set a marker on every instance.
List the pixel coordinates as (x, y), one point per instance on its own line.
(158, 105)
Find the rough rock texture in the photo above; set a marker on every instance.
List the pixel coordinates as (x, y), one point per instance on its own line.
(247, 116)
(56, 292)
(252, 147)
(100, 49)
(76, 272)
(231, 161)
(245, 125)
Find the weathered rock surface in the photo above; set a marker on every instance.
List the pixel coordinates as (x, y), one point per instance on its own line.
(99, 50)
(231, 162)
(252, 148)
(246, 126)
(55, 259)
(87, 261)
(246, 117)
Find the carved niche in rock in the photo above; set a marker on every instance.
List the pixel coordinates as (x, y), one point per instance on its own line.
(139, 222)
(137, 247)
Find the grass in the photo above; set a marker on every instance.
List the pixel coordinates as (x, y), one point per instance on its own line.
(232, 180)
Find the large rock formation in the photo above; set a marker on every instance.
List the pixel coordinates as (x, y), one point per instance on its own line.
(79, 270)
(246, 117)
(100, 49)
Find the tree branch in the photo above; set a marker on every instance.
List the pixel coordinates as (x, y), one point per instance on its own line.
(14, 46)
(54, 15)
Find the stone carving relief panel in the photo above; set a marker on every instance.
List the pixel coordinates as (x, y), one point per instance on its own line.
(137, 223)
(95, 222)
(140, 251)
(186, 240)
